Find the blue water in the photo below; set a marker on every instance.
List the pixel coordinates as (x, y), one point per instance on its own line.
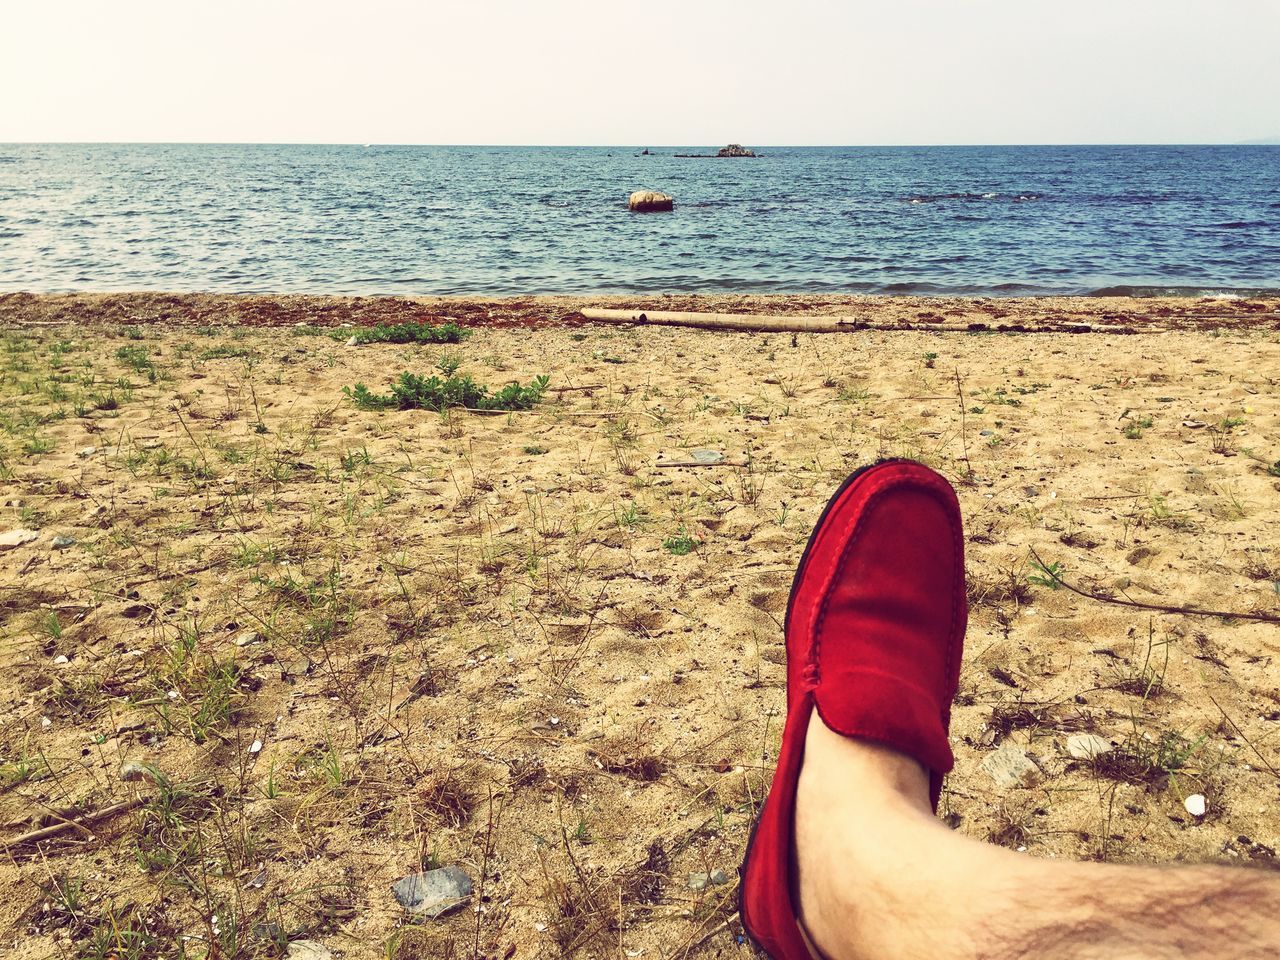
(505, 220)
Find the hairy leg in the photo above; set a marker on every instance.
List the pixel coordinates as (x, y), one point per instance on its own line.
(880, 877)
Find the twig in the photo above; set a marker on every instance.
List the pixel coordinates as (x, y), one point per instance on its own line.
(1240, 733)
(1158, 607)
(700, 463)
(76, 823)
(964, 424)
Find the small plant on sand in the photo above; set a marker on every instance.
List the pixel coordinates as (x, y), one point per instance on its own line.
(226, 351)
(139, 359)
(1049, 575)
(680, 545)
(411, 332)
(412, 392)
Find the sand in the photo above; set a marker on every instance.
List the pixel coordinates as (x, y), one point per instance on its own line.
(353, 644)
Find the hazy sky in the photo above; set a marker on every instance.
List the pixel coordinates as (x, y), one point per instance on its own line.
(660, 72)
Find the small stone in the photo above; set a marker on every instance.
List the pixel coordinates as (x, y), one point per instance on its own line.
(16, 538)
(247, 638)
(353, 342)
(86, 452)
(61, 542)
(135, 770)
(268, 931)
(703, 455)
(1195, 805)
(61, 658)
(699, 881)
(434, 893)
(1086, 746)
(307, 950)
(719, 877)
(255, 747)
(1009, 767)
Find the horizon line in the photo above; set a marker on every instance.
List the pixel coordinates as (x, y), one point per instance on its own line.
(1263, 142)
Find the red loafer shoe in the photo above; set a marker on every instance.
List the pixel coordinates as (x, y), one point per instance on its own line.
(874, 631)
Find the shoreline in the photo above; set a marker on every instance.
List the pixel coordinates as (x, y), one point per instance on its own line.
(1014, 314)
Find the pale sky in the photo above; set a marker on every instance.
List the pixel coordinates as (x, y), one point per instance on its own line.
(785, 72)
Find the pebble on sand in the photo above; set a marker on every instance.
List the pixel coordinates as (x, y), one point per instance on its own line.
(307, 950)
(137, 770)
(1086, 746)
(1010, 767)
(1196, 805)
(16, 538)
(434, 893)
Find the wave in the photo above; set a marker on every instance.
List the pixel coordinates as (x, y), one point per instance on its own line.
(970, 197)
(1143, 290)
(1241, 225)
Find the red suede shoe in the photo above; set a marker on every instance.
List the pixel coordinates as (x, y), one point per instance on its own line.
(875, 628)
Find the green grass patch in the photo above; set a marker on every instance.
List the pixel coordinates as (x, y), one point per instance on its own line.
(225, 351)
(408, 332)
(412, 392)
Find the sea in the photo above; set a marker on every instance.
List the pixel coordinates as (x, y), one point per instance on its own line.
(355, 219)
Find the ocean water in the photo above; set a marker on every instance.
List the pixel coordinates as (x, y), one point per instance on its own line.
(522, 220)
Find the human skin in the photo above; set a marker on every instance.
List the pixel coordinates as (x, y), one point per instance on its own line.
(881, 877)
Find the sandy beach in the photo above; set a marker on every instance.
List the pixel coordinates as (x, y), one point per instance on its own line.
(264, 652)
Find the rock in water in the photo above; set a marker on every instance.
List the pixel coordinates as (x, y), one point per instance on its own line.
(434, 893)
(1010, 767)
(735, 150)
(650, 201)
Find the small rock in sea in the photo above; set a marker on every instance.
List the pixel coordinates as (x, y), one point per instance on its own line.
(307, 950)
(1195, 805)
(62, 542)
(1010, 767)
(135, 770)
(16, 538)
(1086, 746)
(735, 150)
(434, 893)
(650, 201)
